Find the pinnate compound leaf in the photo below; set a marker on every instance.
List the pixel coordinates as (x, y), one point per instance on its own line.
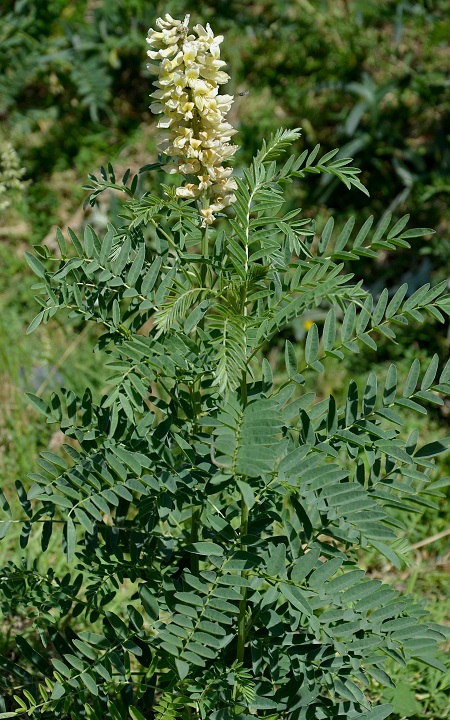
(305, 564)
(390, 386)
(39, 404)
(329, 330)
(75, 242)
(377, 713)
(89, 682)
(411, 381)
(290, 359)
(94, 638)
(4, 504)
(398, 227)
(430, 373)
(247, 493)
(431, 661)
(380, 307)
(276, 564)
(295, 597)
(136, 266)
(84, 520)
(348, 323)
(182, 667)
(417, 232)
(370, 394)
(312, 344)
(114, 711)
(135, 713)
(248, 438)
(324, 572)
(396, 301)
(151, 276)
(195, 316)
(37, 267)
(149, 601)
(445, 374)
(35, 322)
(432, 449)
(276, 145)
(388, 553)
(381, 227)
(206, 548)
(5, 527)
(71, 539)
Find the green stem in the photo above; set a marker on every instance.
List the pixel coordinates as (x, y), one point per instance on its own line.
(195, 524)
(243, 532)
(205, 254)
(244, 389)
(197, 403)
(243, 601)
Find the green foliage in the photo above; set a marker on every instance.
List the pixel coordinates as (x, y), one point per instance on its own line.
(369, 77)
(231, 505)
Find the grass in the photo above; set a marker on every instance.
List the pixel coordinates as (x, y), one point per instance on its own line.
(423, 691)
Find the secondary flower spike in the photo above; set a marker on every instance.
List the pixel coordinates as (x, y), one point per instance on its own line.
(197, 136)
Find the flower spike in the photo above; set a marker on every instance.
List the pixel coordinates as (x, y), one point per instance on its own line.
(196, 135)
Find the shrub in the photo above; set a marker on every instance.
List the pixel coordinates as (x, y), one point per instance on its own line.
(212, 513)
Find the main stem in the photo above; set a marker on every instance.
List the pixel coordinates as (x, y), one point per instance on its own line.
(197, 511)
(243, 533)
(243, 601)
(205, 253)
(195, 524)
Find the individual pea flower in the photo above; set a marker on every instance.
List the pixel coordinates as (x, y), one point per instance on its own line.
(196, 135)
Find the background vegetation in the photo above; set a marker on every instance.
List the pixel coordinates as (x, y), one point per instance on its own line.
(370, 77)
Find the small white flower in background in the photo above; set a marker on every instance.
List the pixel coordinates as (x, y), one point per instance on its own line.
(197, 136)
(10, 174)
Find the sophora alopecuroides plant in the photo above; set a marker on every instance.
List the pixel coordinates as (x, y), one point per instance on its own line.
(211, 511)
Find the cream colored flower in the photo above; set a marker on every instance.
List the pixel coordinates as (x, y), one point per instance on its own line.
(197, 136)
(208, 217)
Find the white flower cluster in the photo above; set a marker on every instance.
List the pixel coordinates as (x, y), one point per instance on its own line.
(197, 137)
(10, 174)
